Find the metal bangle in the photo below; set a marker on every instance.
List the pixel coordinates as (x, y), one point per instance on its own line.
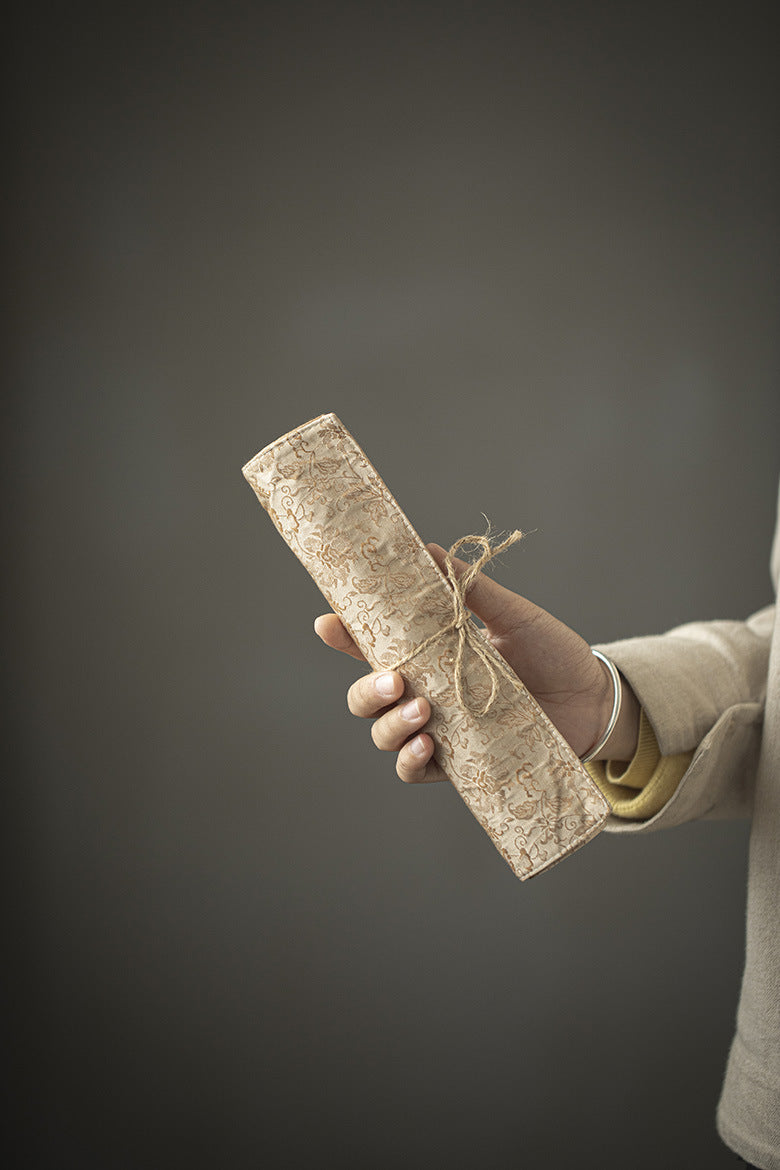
(617, 702)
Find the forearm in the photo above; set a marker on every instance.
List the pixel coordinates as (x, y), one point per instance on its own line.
(700, 691)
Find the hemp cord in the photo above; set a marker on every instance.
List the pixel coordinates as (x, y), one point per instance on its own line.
(467, 631)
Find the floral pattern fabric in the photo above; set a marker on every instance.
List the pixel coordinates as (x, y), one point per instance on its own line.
(518, 776)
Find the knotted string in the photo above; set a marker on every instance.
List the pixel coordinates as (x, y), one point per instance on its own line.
(467, 631)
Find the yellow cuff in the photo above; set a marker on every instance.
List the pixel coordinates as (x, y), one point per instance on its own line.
(640, 788)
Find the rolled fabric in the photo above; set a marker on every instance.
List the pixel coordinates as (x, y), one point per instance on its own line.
(511, 766)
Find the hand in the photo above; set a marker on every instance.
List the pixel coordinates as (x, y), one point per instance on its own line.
(556, 665)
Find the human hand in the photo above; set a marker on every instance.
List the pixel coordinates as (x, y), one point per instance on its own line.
(379, 696)
(556, 665)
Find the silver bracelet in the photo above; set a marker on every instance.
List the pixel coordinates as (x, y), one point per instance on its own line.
(617, 702)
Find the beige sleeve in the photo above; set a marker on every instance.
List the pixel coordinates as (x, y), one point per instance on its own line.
(702, 687)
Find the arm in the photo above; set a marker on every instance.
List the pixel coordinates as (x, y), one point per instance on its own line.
(702, 688)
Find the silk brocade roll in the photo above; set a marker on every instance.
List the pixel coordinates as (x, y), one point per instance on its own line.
(513, 769)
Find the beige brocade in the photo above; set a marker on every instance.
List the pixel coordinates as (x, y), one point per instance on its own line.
(519, 777)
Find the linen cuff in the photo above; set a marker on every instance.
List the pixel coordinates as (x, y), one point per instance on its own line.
(640, 788)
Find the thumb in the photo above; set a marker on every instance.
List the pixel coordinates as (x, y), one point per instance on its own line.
(500, 609)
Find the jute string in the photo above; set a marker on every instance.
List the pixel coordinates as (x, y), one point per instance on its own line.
(467, 631)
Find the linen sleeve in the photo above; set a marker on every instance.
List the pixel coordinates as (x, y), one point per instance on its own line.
(702, 686)
(638, 789)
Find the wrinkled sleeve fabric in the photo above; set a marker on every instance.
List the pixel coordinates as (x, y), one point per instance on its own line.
(702, 687)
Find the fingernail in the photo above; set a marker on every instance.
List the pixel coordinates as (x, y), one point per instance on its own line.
(418, 746)
(385, 685)
(411, 711)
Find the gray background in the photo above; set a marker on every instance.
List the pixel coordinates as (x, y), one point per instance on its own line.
(528, 253)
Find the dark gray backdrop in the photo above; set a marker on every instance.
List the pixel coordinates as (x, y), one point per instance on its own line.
(528, 253)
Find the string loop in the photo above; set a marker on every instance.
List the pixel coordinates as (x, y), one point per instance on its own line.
(461, 621)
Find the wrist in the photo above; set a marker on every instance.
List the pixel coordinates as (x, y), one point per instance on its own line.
(623, 740)
(618, 716)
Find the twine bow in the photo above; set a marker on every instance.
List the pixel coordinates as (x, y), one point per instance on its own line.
(467, 631)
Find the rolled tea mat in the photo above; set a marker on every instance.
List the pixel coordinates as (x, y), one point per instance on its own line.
(511, 766)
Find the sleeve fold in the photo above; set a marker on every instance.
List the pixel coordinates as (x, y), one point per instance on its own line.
(702, 690)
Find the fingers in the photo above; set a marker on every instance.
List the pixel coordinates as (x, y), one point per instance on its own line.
(369, 694)
(376, 692)
(334, 633)
(392, 730)
(414, 764)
